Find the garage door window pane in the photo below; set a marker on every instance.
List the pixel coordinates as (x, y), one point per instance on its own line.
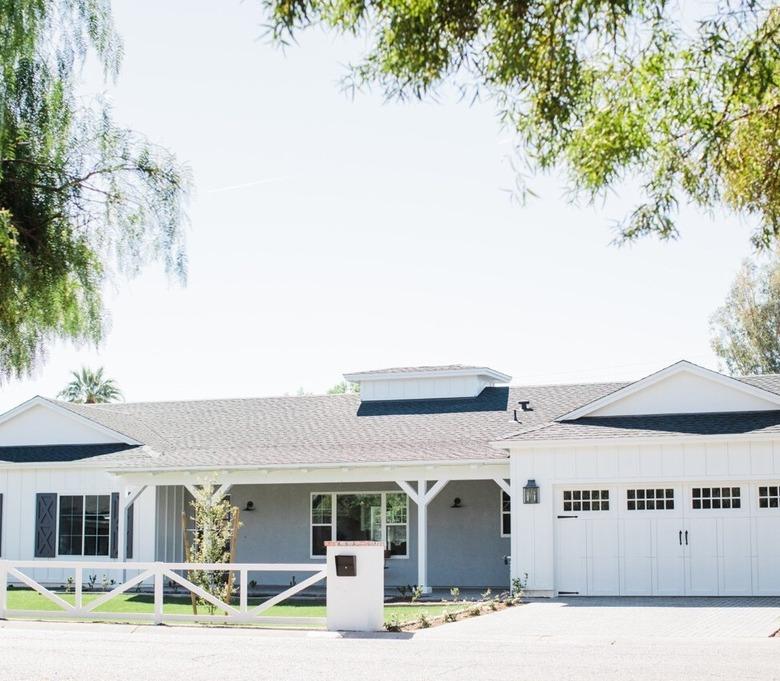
(769, 496)
(716, 498)
(650, 500)
(586, 500)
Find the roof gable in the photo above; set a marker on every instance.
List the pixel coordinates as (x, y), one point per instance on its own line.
(682, 388)
(43, 422)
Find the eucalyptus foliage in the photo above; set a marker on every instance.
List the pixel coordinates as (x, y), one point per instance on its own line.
(680, 97)
(90, 386)
(746, 329)
(81, 199)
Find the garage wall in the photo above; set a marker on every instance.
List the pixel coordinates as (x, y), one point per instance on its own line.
(533, 529)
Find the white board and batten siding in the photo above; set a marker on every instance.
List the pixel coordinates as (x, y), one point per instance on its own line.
(19, 487)
(680, 551)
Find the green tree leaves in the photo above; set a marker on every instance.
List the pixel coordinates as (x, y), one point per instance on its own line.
(91, 387)
(745, 331)
(685, 106)
(81, 199)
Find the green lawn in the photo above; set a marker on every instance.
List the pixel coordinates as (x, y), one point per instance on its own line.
(26, 599)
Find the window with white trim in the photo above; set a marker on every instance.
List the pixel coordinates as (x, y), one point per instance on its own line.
(84, 527)
(703, 498)
(769, 496)
(506, 514)
(650, 499)
(586, 500)
(350, 516)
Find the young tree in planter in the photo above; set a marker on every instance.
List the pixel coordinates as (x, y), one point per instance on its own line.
(216, 523)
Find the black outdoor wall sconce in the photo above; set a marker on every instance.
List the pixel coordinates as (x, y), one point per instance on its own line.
(531, 492)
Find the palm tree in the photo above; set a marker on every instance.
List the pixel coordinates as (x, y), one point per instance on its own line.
(89, 387)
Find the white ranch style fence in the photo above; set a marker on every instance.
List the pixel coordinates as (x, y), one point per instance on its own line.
(159, 573)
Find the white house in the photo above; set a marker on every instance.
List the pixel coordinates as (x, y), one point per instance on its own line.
(666, 486)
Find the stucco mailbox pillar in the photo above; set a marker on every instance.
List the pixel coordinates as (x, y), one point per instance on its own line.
(356, 585)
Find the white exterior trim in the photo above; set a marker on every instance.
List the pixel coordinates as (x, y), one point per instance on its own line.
(652, 379)
(39, 401)
(492, 374)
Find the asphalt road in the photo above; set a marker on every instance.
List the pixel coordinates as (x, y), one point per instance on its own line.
(469, 651)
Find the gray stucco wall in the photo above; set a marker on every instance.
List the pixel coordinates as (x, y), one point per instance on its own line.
(465, 548)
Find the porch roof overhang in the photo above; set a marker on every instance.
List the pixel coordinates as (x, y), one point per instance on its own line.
(480, 469)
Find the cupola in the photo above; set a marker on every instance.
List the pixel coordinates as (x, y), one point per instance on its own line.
(425, 382)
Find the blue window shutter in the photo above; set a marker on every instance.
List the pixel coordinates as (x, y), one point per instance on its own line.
(45, 525)
(129, 518)
(114, 539)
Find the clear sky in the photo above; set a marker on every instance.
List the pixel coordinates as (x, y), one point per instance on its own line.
(330, 234)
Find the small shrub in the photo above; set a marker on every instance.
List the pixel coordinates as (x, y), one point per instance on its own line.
(475, 611)
(486, 595)
(450, 616)
(91, 581)
(423, 621)
(417, 592)
(68, 585)
(393, 624)
(404, 591)
(493, 604)
(455, 593)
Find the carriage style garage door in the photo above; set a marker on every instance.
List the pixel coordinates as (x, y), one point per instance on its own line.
(699, 539)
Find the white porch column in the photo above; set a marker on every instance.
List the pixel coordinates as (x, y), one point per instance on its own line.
(422, 538)
(422, 497)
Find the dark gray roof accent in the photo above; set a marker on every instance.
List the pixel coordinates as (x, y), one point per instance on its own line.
(598, 427)
(62, 453)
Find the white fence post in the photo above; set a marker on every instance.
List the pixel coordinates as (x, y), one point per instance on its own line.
(355, 596)
(243, 591)
(3, 589)
(78, 585)
(158, 593)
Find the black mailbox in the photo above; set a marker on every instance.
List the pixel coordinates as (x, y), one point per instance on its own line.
(345, 566)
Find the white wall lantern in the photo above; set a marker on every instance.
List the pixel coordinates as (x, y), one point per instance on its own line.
(531, 492)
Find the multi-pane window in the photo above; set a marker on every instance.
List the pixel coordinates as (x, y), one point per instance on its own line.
(84, 525)
(650, 499)
(586, 500)
(716, 497)
(769, 497)
(321, 522)
(373, 516)
(396, 512)
(506, 514)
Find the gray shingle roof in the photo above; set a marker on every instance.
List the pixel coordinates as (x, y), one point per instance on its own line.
(330, 428)
(335, 429)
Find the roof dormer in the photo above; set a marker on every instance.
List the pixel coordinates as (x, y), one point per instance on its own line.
(425, 382)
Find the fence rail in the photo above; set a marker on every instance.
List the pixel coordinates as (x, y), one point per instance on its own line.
(158, 573)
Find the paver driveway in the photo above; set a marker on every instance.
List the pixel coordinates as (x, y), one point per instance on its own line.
(582, 640)
(620, 618)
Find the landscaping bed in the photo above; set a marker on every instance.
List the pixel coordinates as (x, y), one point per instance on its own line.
(451, 611)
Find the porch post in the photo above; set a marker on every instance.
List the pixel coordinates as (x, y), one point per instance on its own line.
(422, 497)
(422, 537)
